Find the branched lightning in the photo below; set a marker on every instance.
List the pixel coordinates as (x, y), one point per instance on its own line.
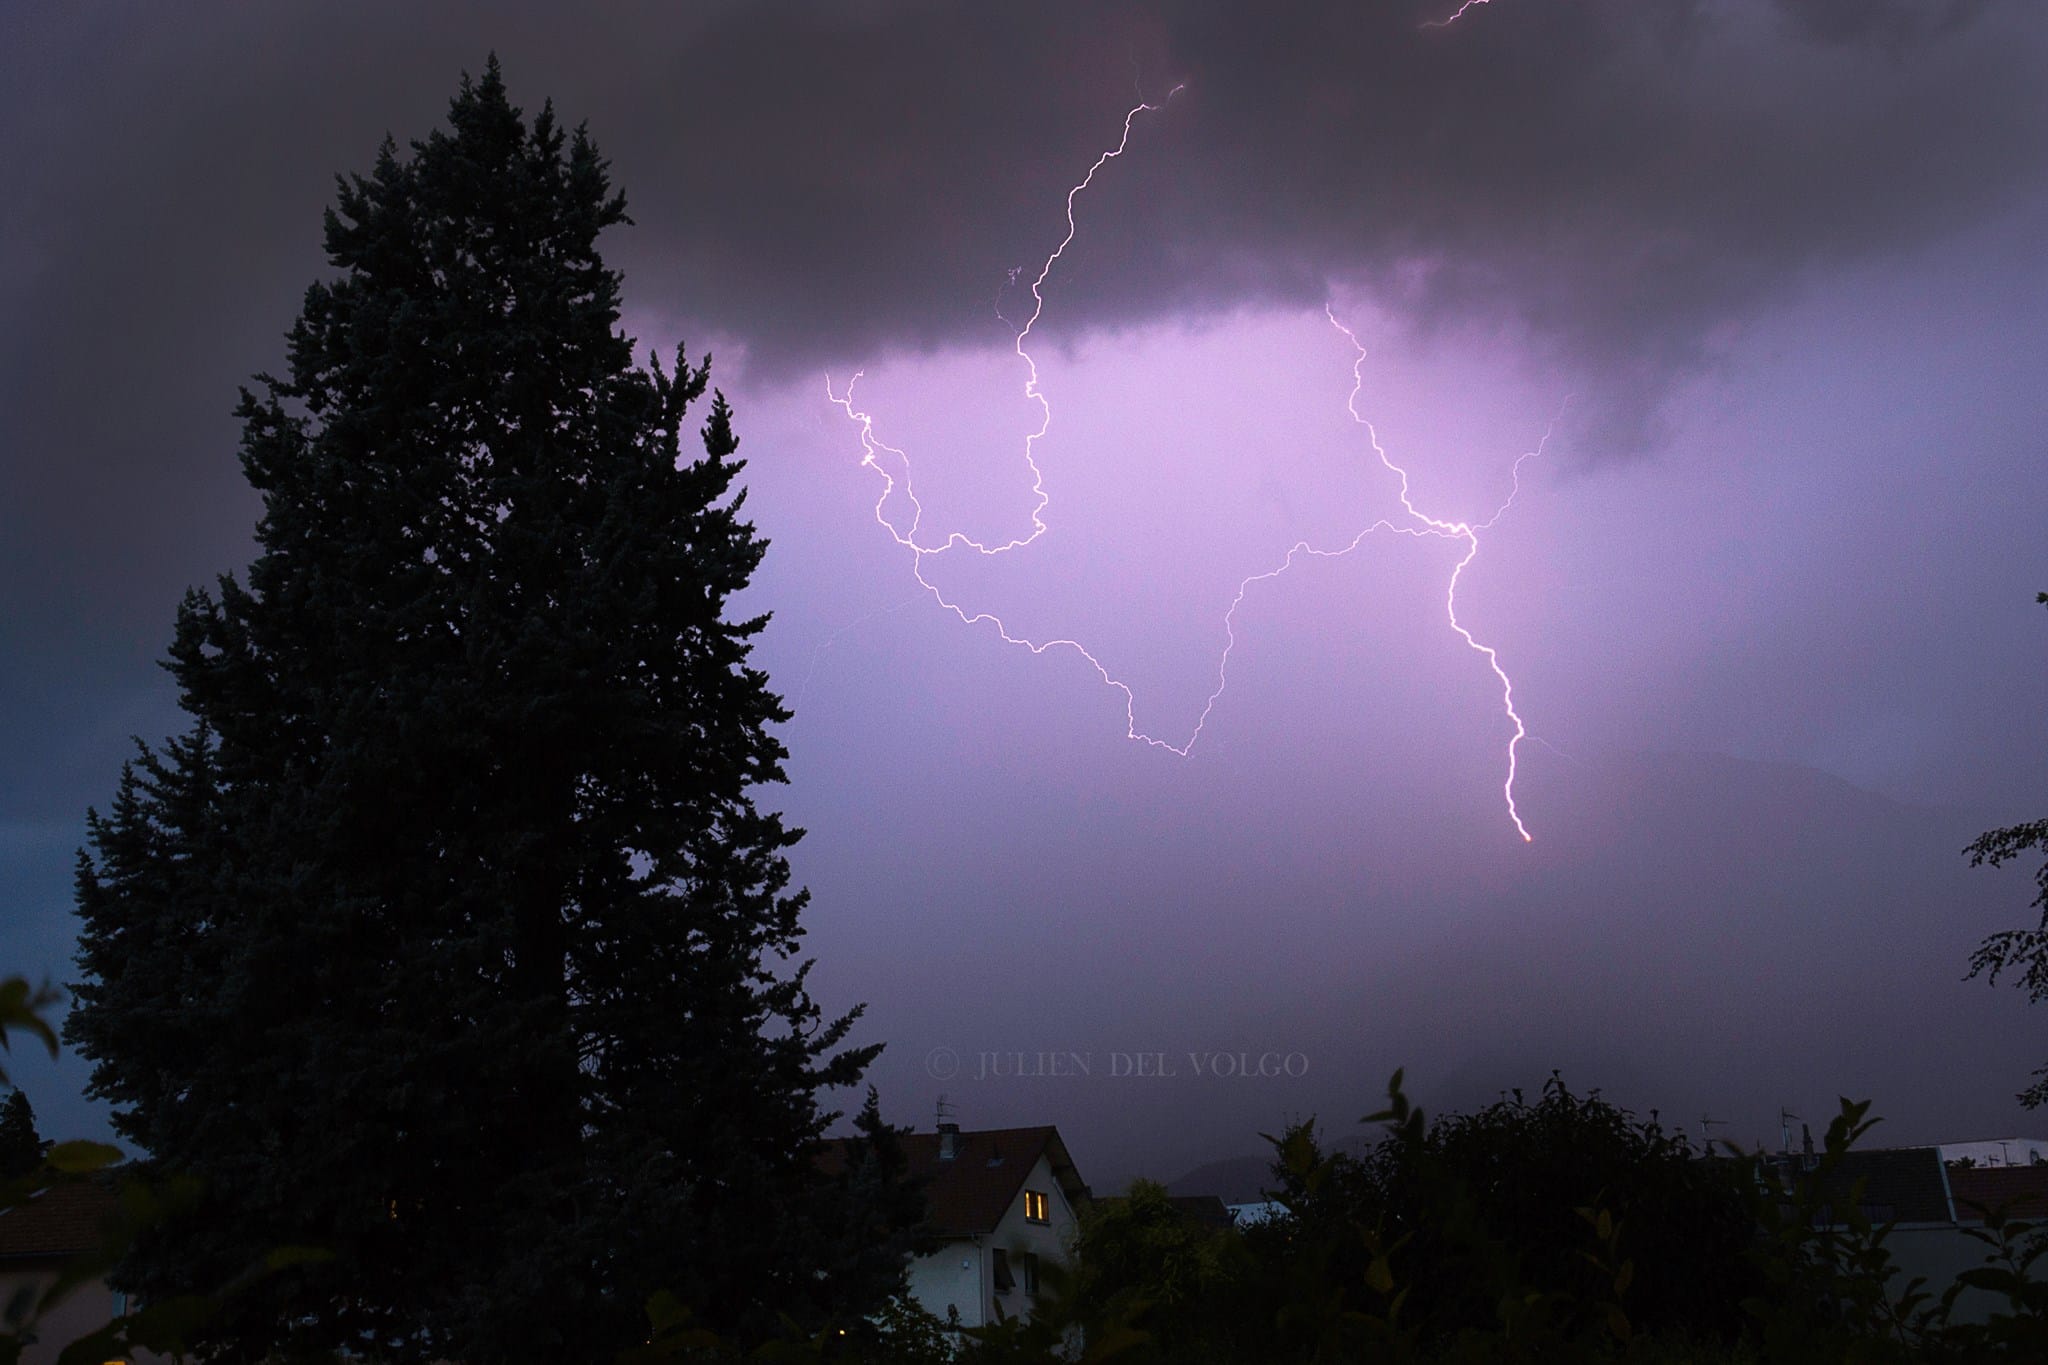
(874, 450)
(1459, 530)
(1039, 496)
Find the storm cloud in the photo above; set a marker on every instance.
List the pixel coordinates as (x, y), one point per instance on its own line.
(1620, 181)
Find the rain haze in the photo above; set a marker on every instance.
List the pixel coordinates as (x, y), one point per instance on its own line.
(1734, 313)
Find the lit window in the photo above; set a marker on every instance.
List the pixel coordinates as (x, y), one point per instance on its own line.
(1036, 1210)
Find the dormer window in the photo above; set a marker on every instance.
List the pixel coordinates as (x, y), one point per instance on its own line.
(1036, 1207)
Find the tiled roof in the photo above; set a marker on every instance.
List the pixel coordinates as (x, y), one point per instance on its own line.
(1900, 1184)
(2021, 1190)
(968, 1193)
(57, 1223)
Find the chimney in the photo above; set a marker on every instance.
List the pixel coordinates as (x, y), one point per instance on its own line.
(949, 1141)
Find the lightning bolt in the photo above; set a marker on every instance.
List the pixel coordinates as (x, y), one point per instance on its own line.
(1456, 15)
(880, 456)
(1459, 530)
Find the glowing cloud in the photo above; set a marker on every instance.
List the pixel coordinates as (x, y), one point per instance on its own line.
(893, 466)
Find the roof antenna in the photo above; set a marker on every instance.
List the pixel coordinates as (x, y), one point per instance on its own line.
(1707, 1127)
(1785, 1117)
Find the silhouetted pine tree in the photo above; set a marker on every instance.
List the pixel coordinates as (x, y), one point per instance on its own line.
(450, 938)
(21, 1147)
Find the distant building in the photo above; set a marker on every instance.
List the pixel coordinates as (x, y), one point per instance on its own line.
(1905, 1186)
(1996, 1152)
(37, 1238)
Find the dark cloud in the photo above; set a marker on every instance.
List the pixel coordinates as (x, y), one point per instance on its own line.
(826, 182)
(1620, 178)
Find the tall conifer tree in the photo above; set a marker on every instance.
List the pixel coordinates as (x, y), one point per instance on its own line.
(450, 938)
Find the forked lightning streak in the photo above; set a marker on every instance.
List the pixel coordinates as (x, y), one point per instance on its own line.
(882, 457)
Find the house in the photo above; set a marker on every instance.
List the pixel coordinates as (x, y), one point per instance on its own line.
(2019, 1191)
(37, 1237)
(1931, 1212)
(1002, 1202)
(1904, 1186)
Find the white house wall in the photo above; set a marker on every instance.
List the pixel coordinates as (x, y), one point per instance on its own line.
(1050, 1241)
(951, 1279)
(87, 1309)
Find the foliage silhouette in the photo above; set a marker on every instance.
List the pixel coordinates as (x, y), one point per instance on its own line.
(2021, 950)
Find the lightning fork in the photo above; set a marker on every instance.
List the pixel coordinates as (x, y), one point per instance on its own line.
(1419, 523)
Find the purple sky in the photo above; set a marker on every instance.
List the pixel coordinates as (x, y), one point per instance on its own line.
(1766, 597)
